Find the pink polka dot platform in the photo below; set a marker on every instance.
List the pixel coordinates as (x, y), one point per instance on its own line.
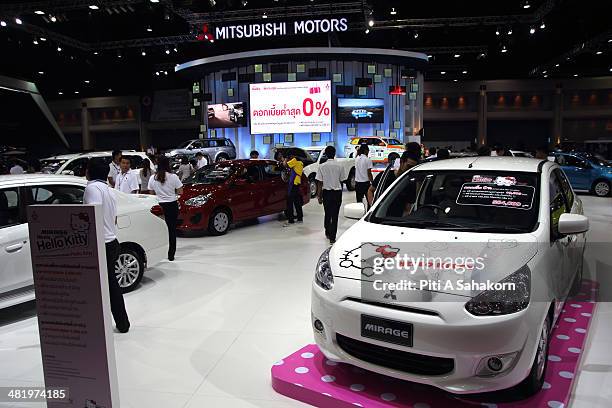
(308, 376)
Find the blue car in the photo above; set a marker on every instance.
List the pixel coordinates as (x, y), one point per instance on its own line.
(362, 114)
(586, 172)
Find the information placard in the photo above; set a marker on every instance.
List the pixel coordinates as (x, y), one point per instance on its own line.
(72, 302)
(290, 107)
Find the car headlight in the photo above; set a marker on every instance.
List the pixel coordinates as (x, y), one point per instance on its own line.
(323, 275)
(502, 302)
(198, 201)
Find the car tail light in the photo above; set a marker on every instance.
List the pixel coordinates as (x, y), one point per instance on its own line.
(157, 210)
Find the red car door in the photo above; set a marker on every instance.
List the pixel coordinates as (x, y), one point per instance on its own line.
(244, 194)
(273, 188)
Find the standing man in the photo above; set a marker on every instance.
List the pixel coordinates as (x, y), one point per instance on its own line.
(200, 161)
(98, 192)
(363, 173)
(114, 167)
(294, 198)
(329, 191)
(254, 155)
(16, 168)
(126, 181)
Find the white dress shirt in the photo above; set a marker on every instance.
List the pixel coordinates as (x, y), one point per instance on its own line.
(98, 192)
(362, 165)
(113, 171)
(332, 174)
(17, 169)
(126, 182)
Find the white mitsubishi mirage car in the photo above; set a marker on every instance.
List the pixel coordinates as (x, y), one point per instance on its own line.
(143, 236)
(524, 230)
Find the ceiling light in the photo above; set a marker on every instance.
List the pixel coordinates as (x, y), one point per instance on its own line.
(464, 72)
(575, 75)
(599, 52)
(416, 35)
(119, 54)
(610, 70)
(18, 20)
(53, 19)
(526, 5)
(443, 72)
(110, 90)
(35, 42)
(244, 3)
(157, 73)
(481, 55)
(367, 30)
(39, 12)
(509, 31)
(542, 26)
(95, 52)
(76, 92)
(457, 55)
(265, 15)
(371, 23)
(545, 75)
(41, 72)
(532, 30)
(167, 51)
(393, 12)
(60, 93)
(3, 23)
(455, 80)
(429, 56)
(143, 53)
(94, 7)
(544, 72)
(497, 31)
(43, 39)
(504, 49)
(86, 81)
(154, 1)
(212, 40)
(175, 49)
(59, 48)
(557, 65)
(149, 29)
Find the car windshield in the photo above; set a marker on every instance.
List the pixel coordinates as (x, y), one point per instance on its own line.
(211, 174)
(51, 165)
(473, 201)
(392, 141)
(521, 154)
(598, 161)
(184, 145)
(315, 154)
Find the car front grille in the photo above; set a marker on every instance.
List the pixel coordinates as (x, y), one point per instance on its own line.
(395, 359)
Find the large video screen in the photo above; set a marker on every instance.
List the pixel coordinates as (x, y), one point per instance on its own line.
(354, 110)
(290, 107)
(226, 115)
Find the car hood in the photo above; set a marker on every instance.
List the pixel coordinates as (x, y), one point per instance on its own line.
(194, 190)
(431, 255)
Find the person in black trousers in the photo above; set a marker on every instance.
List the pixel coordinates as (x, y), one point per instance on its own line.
(294, 198)
(329, 191)
(98, 192)
(166, 185)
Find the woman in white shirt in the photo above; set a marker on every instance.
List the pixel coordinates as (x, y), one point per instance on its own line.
(145, 175)
(166, 185)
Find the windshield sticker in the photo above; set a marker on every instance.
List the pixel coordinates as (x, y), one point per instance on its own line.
(497, 194)
(481, 179)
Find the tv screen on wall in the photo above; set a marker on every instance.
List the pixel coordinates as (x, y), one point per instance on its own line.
(356, 110)
(226, 115)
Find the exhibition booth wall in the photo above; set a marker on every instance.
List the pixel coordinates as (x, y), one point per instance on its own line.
(304, 97)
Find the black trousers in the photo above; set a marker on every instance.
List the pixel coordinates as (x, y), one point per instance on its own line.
(171, 211)
(332, 199)
(116, 295)
(361, 190)
(294, 199)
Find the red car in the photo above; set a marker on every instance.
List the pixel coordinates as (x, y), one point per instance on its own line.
(234, 190)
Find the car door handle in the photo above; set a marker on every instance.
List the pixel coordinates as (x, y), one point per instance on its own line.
(15, 247)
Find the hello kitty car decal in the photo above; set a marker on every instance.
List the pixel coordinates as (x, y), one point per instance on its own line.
(353, 259)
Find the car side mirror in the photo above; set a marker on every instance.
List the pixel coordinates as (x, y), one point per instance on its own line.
(572, 224)
(354, 211)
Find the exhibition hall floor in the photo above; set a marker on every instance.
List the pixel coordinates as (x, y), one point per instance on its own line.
(207, 327)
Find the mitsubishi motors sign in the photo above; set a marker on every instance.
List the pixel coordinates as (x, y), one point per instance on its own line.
(277, 28)
(290, 107)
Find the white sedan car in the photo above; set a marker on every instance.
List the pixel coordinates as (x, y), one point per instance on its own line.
(142, 235)
(519, 216)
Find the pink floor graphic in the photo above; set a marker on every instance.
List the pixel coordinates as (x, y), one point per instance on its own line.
(308, 376)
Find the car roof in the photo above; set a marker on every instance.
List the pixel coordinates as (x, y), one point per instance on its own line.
(90, 154)
(40, 178)
(314, 147)
(503, 163)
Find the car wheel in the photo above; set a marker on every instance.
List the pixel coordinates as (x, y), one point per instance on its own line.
(601, 188)
(312, 184)
(219, 221)
(350, 181)
(534, 381)
(222, 157)
(129, 269)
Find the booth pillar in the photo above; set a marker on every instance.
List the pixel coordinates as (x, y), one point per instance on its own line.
(482, 116)
(88, 142)
(557, 127)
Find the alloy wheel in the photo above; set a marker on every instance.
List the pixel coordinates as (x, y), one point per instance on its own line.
(542, 353)
(313, 188)
(127, 269)
(221, 222)
(602, 189)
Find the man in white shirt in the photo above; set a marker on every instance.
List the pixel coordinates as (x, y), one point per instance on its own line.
(16, 169)
(201, 160)
(114, 167)
(126, 181)
(363, 173)
(98, 192)
(329, 178)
